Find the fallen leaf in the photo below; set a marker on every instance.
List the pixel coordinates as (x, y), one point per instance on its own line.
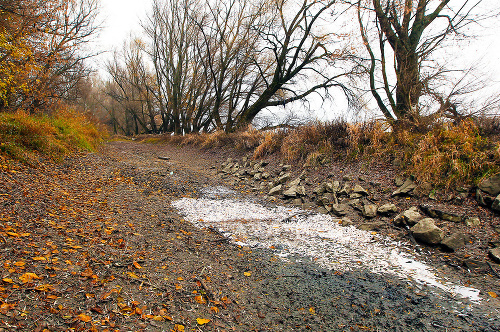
(202, 321)
(20, 263)
(247, 274)
(84, 318)
(8, 280)
(28, 277)
(44, 288)
(493, 294)
(179, 328)
(312, 311)
(12, 234)
(39, 258)
(200, 299)
(132, 275)
(137, 266)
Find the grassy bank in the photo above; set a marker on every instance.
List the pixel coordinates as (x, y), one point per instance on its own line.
(447, 156)
(29, 138)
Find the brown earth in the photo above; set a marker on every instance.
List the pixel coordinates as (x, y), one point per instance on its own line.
(94, 244)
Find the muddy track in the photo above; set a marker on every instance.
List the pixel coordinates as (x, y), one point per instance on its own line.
(139, 266)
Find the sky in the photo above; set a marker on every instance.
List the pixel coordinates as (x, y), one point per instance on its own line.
(121, 18)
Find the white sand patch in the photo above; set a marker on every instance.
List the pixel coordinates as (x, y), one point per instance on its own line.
(318, 236)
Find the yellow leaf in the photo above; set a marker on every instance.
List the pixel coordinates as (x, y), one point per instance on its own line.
(158, 318)
(493, 294)
(84, 318)
(200, 299)
(179, 328)
(312, 311)
(39, 258)
(8, 280)
(20, 263)
(13, 234)
(247, 274)
(28, 277)
(132, 275)
(44, 288)
(202, 321)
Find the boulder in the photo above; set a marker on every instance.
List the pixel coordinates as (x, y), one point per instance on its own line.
(284, 178)
(483, 198)
(427, 231)
(491, 185)
(406, 188)
(387, 208)
(496, 203)
(320, 190)
(410, 217)
(495, 254)
(295, 191)
(440, 213)
(369, 210)
(455, 241)
(278, 190)
(340, 209)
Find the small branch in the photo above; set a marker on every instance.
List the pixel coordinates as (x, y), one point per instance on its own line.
(493, 269)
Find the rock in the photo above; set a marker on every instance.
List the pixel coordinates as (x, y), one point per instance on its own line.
(369, 210)
(441, 214)
(387, 208)
(340, 209)
(399, 180)
(496, 204)
(286, 168)
(455, 241)
(423, 189)
(322, 210)
(355, 196)
(257, 176)
(346, 221)
(346, 189)
(266, 175)
(497, 229)
(483, 198)
(278, 190)
(410, 217)
(295, 191)
(495, 254)
(406, 188)
(472, 221)
(347, 178)
(297, 202)
(320, 190)
(359, 190)
(491, 185)
(284, 178)
(295, 182)
(427, 231)
(372, 226)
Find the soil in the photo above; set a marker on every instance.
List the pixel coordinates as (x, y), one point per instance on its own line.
(93, 243)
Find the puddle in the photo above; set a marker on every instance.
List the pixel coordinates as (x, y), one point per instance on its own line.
(292, 231)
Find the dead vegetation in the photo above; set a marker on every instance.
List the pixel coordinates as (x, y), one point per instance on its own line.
(446, 155)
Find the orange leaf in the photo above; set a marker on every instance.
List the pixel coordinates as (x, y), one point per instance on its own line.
(493, 294)
(28, 277)
(39, 258)
(202, 321)
(137, 266)
(132, 275)
(20, 263)
(44, 288)
(84, 318)
(12, 234)
(179, 328)
(200, 299)
(87, 273)
(8, 280)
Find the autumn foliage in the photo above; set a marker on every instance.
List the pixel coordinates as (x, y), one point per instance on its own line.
(41, 58)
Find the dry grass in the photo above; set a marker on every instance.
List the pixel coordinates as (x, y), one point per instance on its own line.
(27, 137)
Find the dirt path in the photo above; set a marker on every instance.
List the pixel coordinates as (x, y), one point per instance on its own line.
(94, 244)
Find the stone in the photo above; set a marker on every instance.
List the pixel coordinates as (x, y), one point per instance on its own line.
(370, 210)
(399, 180)
(284, 178)
(290, 192)
(286, 168)
(340, 209)
(320, 190)
(441, 214)
(295, 182)
(473, 221)
(278, 190)
(359, 190)
(455, 241)
(266, 175)
(322, 210)
(409, 217)
(346, 222)
(355, 196)
(346, 189)
(496, 204)
(495, 254)
(257, 176)
(297, 201)
(423, 189)
(491, 185)
(387, 208)
(427, 231)
(372, 226)
(483, 198)
(406, 189)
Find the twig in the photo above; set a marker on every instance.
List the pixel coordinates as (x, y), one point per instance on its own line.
(163, 158)
(208, 292)
(492, 269)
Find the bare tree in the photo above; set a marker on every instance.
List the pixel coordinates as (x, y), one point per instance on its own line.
(401, 37)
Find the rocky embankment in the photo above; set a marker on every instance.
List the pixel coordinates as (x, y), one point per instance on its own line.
(464, 222)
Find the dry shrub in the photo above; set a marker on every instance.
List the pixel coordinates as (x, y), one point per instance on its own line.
(270, 144)
(454, 154)
(248, 139)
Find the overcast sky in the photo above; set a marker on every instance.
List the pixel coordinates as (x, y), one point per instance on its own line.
(122, 17)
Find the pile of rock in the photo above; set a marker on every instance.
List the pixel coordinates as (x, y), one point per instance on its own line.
(347, 198)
